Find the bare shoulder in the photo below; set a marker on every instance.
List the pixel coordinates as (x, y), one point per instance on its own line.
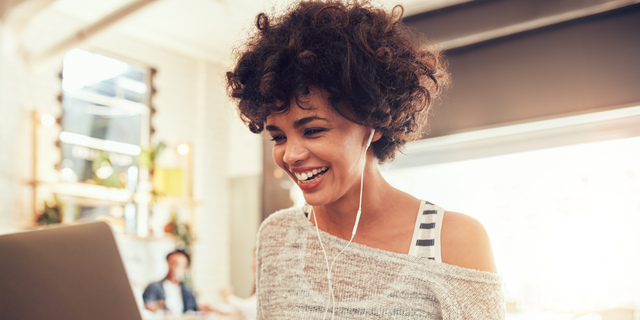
(465, 243)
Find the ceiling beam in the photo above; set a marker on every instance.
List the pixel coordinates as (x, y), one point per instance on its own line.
(17, 14)
(85, 33)
(533, 24)
(418, 7)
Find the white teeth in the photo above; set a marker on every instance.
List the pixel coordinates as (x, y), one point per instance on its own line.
(304, 176)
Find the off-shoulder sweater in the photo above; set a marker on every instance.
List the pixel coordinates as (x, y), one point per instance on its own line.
(368, 283)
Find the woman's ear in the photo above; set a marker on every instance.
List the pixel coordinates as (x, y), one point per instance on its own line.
(376, 136)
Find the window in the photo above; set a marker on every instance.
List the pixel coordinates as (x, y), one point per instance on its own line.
(563, 221)
(105, 126)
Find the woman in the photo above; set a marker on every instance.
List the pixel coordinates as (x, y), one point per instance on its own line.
(339, 88)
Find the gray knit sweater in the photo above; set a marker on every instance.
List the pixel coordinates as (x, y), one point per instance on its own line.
(368, 283)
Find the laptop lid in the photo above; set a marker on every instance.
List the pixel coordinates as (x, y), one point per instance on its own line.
(64, 272)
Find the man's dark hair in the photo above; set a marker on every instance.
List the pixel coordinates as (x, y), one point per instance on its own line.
(181, 252)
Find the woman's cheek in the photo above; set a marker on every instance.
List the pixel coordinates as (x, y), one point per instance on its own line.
(277, 157)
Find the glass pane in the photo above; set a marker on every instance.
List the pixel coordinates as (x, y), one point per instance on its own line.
(78, 166)
(105, 119)
(101, 122)
(93, 73)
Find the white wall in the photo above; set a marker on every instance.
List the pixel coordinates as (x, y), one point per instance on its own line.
(8, 134)
(245, 183)
(191, 107)
(23, 89)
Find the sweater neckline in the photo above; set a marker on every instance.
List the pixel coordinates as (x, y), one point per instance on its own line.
(435, 267)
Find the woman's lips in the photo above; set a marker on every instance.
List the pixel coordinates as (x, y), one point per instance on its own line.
(311, 179)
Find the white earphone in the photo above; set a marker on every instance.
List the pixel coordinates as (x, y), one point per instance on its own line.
(353, 233)
(364, 158)
(373, 131)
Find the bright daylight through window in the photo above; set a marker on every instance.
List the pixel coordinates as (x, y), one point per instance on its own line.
(563, 221)
(105, 123)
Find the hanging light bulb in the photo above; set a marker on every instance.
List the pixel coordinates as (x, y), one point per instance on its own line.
(47, 120)
(183, 149)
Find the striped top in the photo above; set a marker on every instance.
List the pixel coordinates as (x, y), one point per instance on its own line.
(426, 233)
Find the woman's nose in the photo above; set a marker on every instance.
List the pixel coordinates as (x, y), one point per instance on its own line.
(295, 152)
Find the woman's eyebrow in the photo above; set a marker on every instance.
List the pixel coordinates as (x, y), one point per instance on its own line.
(272, 128)
(298, 123)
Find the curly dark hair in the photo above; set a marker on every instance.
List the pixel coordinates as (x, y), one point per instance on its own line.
(361, 55)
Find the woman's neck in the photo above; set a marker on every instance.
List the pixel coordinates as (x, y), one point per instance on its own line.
(338, 218)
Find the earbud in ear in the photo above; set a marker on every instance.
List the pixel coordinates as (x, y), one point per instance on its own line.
(370, 137)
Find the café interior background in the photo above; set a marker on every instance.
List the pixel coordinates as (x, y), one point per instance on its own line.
(538, 138)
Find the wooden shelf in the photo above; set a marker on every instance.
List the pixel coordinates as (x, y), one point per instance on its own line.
(92, 192)
(96, 194)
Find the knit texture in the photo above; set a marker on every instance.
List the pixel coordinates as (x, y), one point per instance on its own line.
(368, 283)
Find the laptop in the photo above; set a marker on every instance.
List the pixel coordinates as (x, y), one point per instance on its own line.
(64, 272)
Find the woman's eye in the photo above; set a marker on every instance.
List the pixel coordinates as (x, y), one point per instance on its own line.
(312, 131)
(277, 138)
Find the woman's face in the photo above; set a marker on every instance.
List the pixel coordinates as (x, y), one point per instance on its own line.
(319, 149)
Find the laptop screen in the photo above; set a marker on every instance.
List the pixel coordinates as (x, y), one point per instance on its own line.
(64, 272)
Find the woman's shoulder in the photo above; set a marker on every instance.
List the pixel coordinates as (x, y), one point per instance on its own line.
(465, 243)
(284, 218)
(276, 229)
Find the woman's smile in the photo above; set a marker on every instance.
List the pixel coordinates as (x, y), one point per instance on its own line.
(308, 180)
(311, 175)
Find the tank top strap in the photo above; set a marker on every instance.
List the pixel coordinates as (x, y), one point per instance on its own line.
(426, 233)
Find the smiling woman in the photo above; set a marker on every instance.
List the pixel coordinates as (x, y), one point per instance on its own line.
(305, 144)
(341, 87)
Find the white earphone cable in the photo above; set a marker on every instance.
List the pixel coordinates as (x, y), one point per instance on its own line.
(353, 234)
